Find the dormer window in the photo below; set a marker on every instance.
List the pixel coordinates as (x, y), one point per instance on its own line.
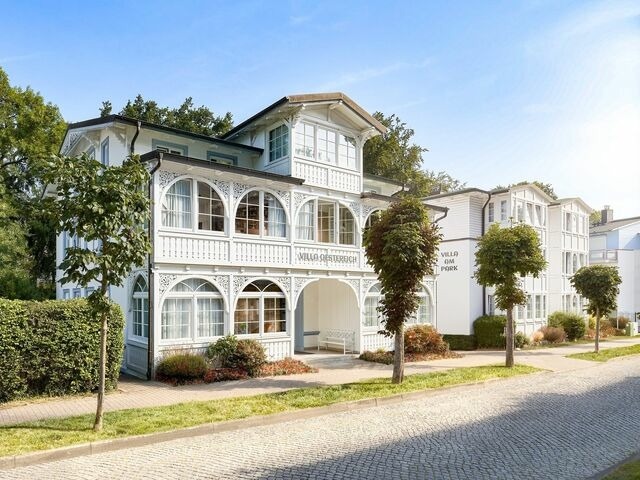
(278, 143)
(325, 145)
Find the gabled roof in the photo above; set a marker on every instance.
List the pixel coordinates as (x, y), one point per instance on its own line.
(614, 225)
(153, 126)
(310, 98)
(562, 201)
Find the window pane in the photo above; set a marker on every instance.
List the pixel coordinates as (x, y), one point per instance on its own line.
(371, 314)
(347, 152)
(210, 317)
(210, 209)
(275, 315)
(248, 214)
(176, 205)
(176, 318)
(347, 227)
(275, 219)
(326, 218)
(305, 223)
(247, 316)
(305, 141)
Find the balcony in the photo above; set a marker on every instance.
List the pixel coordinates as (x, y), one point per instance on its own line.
(603, 256)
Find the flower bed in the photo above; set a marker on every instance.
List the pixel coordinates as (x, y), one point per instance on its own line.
(387, 357)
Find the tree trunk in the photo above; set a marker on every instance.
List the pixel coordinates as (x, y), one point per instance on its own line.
(97, 424)
(509, 338)
(398, 356)
(597, 330)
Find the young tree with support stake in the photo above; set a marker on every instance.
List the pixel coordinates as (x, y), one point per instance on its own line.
(504, 255)
(108, 207)
(600, 285)
(402, 247)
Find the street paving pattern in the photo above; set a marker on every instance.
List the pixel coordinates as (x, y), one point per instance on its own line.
(568, 425)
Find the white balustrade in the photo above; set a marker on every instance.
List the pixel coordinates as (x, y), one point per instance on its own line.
(277, 348)
(327, 176)
(372, 341)
(184, 248)
(262, 253)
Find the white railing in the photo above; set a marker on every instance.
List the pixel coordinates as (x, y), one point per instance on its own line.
(372, 341)
(184, 248)
(327, 176)
(262, 253)
(277, 348)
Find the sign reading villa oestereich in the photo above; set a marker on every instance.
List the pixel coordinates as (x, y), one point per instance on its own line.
(325, 257)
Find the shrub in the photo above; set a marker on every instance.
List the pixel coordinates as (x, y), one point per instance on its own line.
(489, 331)
(53, 348)
(537, 337)
(224, 374)
(460, 342)
(181, 368)
(248, 356)
(222, 350)
(286, 366)
(521, 340)
(377, 357)
(424, 339)
(621, 323)
(553, 334)
(573, 324)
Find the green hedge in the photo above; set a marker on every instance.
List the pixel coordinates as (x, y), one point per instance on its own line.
(489, 331)
(53, 348)
(573, 324)
(461, 342)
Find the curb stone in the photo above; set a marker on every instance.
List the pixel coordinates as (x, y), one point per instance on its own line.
(102, 446)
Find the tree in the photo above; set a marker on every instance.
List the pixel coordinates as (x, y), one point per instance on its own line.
(503, 255)
(15, 261)
(600, 285)
(107, 207)
(393, 155)
(31, 130)
(595, 218)
(186, 117)
(402, 248)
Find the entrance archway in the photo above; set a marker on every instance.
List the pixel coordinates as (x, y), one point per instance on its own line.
(323, 305)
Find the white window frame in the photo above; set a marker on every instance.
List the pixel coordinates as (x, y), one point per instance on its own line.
(338, 208)
(104, 152)
(195, 208)
(503, 210)
(490, 213)
(284, 134)
(263, 230)
(261, 296)
(344, 154)
(140, 298)
(194, 296)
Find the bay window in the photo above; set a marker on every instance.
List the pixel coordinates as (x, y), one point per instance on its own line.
(334, 223)
(325, 145)
(261, 309)
(260, 213)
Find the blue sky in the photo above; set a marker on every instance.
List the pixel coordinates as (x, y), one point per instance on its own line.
(498, 91)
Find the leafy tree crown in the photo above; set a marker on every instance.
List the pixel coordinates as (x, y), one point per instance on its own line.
(600, 285)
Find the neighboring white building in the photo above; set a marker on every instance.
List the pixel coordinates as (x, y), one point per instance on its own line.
(257, 233)
(617, 242)
(460, 299)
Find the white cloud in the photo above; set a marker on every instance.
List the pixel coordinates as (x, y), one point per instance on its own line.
(366, 74)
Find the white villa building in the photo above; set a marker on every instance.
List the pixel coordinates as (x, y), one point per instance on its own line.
(256, 234)
(617, 242)
(562, 226)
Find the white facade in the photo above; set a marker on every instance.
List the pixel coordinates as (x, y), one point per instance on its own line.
(258, 234)
(471, 211)
(617, 242)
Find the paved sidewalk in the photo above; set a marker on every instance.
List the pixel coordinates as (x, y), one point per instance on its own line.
(333, 369)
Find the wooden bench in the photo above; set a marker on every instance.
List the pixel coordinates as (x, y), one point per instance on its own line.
(339, 338)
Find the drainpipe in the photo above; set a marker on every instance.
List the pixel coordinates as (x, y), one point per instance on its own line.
(135, 137)
(482, 231)
(150, 276)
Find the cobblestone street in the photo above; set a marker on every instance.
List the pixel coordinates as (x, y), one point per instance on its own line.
(566, 425)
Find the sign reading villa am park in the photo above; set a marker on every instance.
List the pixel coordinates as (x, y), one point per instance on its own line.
(449, 261)
(326, 258)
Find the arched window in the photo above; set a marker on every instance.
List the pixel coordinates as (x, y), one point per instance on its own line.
(326, 222)
(261, 310)
(372, 316)
(176, 205)
(372, 218)
(423, 314)
(260, 213)
(193, 309)
(180, 209)
(140, 303)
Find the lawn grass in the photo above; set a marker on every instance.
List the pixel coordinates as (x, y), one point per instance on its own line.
(628, 471)
(54, 433)
(608, 354)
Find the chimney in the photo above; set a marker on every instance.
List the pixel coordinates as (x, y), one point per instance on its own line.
(606, 215)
